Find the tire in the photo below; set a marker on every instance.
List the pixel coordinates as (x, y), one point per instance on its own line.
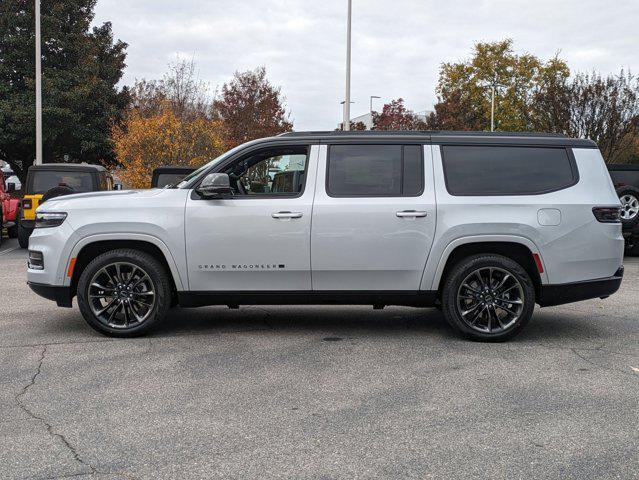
(23, 235)
(498, 319)
(1, 226)
(13, 231)
(125, 312)
(629, 198)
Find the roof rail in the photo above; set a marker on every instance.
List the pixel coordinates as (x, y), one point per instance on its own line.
(363, 133)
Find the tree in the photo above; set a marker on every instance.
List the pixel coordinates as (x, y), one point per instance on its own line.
(148, 142)
(395, 116)
(606, 110)
(251, 107)
(528, 91)
(169, 122)
(81, 68)
(355, 126)
(179, 89)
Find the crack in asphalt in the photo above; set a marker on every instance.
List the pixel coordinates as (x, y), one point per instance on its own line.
(603, 367)
(20, 402)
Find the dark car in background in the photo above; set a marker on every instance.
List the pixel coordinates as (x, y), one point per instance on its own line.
(53, 180)
(626, 181)
(163, 176)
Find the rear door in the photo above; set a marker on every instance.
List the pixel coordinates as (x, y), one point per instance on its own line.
(373, 217)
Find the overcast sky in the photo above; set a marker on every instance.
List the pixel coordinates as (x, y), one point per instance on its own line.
(398, 45)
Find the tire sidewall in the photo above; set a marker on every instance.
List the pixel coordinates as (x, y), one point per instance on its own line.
(151, 266)
(23, 236)
(622, 191)
(464, 268)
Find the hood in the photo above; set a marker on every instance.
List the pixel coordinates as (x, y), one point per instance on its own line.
(111, 197)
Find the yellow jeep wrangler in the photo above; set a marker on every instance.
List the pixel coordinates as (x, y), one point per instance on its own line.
(53, 180)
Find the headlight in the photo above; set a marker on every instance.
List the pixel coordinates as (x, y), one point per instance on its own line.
(49, 219)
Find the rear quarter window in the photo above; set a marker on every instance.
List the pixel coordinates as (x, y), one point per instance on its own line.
(495, 170)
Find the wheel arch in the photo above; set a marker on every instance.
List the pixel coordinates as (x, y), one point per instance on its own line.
(90, 247)
(519, 249)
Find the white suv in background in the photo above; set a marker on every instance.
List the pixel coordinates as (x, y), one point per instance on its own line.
(481, 225)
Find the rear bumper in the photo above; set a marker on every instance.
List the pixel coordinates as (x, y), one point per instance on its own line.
(60, 295)
(578, 291)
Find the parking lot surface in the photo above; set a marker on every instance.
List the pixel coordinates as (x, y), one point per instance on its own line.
(317, 392)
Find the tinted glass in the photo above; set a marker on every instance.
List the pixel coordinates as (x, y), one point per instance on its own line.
(165, 179)
(625, 177)
(479, 170)
(43, 180)
(365, 170)
(273, 171)
(413, 171)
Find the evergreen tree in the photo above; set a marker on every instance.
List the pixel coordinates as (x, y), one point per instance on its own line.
(81, 67)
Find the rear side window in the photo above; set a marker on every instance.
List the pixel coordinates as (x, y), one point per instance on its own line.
(375, 171)
(488, 170)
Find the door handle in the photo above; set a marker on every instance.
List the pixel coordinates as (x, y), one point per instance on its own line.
(287, 215)
(411, 214)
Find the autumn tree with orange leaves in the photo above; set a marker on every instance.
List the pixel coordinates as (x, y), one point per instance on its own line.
(170, 122)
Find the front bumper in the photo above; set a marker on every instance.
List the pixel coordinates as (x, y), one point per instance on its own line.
(60, 295)
(578, 291)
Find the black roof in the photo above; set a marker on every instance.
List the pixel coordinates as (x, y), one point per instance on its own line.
(446, 137)
(78, 167)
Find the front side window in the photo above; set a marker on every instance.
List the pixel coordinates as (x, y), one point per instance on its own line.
(375, 171)
(495, 170)
(277, 171)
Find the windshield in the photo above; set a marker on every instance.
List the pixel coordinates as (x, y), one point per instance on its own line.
(187, 180)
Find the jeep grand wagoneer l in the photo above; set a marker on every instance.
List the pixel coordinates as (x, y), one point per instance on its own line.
(484, 226)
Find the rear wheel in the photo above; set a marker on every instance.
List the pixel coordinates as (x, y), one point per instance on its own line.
(23, 235)
(124, 293)
(488, 297)
(629, 198)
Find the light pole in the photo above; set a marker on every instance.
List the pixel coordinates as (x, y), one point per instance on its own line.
(347, 101)
(342, 103)
(371, 110)
(493, 86)
(38, 79)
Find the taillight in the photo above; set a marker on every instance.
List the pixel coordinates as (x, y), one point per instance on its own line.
(26, 204)
(607, 214)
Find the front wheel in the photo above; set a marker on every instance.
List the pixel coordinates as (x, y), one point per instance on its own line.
(23, 235)
(124, 293)
(488, 298)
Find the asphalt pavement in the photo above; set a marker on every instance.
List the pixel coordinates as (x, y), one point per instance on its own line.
(317, 393)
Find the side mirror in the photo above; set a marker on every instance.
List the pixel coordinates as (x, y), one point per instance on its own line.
(11, 187)
(215, 185)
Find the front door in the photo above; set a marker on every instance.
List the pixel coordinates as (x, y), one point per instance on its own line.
(258, 240)
(374, 217)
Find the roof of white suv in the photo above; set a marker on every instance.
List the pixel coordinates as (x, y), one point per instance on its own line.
(439, 137)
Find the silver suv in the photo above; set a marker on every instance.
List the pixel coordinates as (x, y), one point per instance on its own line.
(483, 226)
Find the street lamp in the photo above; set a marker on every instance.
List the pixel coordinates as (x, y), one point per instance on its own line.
(38, 79)
(347, 102)
(371, 110)
(343, 104)
(493, 86)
